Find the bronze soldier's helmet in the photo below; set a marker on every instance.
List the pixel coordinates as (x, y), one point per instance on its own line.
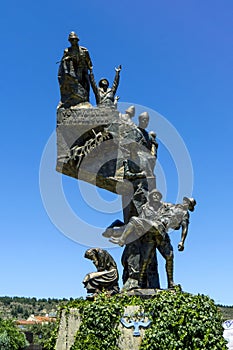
(191, 203)
(73, 35)
(157, 192)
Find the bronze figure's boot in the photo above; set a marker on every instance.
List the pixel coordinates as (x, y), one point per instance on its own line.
(169, 270)
(143, 275)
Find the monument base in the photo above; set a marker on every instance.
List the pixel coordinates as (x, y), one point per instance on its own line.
(167, 320)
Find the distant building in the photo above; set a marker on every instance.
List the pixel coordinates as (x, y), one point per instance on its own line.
(35, 320)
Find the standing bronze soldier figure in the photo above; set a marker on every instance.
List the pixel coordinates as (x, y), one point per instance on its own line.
(73, 74)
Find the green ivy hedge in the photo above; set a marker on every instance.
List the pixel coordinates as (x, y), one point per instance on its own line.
(184, 322)
(181, 321)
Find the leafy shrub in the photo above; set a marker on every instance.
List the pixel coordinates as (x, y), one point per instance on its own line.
(10, 336)
(97, 330)
(184, 322)
(45, 334)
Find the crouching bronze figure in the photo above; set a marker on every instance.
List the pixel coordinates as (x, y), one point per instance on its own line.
(106, 277)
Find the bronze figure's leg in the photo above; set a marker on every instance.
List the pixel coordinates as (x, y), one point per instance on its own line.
(166, 250)
(170, 269)
(147, 248)
(127, 236)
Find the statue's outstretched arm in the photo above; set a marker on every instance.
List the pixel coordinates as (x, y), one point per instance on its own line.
(116, 79)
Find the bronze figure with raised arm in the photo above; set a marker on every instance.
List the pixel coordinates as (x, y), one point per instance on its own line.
(104, 95)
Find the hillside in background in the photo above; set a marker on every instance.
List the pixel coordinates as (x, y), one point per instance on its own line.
(21, 307)
(227, 312)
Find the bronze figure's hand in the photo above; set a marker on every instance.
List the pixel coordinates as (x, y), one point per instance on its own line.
(181, 246)
(118, 241)
(118, 69)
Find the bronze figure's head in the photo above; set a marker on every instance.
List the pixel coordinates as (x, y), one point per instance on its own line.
(104, 83)
(143, 120)
(191, 203)
(155, 196)
(130, 111)
(73, 37)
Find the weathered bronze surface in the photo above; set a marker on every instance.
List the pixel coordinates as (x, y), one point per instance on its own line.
(104, 95)
(93, 143)
(143, 180)
(73, 74)
(153, 224)
(129, 114)
(106, 148)
(106, 277)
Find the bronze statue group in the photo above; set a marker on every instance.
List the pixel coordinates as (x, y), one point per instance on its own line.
(147, 219)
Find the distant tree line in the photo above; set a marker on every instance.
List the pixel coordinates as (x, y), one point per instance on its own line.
(25, 300)
(23, 307)
(227, 311)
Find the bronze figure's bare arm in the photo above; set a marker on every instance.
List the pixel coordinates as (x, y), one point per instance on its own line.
(116, 79)
(184, 233)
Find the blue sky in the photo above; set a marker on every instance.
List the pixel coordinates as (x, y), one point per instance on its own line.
(177, 60)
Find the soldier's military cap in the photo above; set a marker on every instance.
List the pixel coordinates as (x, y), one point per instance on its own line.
(157, 192)
(73, 35)
(191, 202)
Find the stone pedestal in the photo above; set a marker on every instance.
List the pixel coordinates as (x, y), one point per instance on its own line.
(128, 340)
(69, 325)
